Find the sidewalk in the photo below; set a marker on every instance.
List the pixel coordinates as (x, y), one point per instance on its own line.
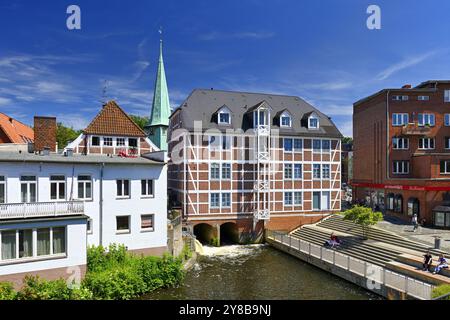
(423, 234)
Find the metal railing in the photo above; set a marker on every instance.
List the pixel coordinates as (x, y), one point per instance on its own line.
(375, 274)
(40, 209)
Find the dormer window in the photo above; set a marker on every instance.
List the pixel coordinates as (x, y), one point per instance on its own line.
(285, 120)
(313, 122)
(224, 116)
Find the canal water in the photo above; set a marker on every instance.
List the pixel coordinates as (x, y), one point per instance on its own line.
(258, 272)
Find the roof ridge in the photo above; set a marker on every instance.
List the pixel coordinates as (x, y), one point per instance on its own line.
(22, 123)
(247, 92)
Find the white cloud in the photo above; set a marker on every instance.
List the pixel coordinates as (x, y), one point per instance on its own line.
(4, 101)
(406, 63)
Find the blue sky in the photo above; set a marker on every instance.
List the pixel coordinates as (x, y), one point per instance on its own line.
(321, 51)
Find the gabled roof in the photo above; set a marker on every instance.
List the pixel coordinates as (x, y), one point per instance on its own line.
(113, 121)
(16, 131)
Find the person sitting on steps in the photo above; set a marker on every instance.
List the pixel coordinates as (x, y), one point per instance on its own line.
(442, 264)
(333, 241)
(427, 261)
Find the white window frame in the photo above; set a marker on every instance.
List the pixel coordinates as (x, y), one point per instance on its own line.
(124, 231)
(427, 143)
(224, 110)
(447, 166)
(90, 226)
(120, 139)
(28, 183)
(424, 119)
(316, 167)
(284, 145)
(85, 183)
(300, 203)
(288, 172)
(288, 196)
(148, 229)
(213, 205)
(447, 143)
(297, 167)
(226, 168)
(104, 139)
(399, 119)
(3, 183)
(326, 171)
(123, 196)
(400, 98)
(214, 167)
(297, 150)
(423, 98)
(99, 141)
(313, 117)
(446, 95)
(398, 167)
(286, 115)
(222, 203)
(447, 119)
(152, 189)
(58, 184)
(404, 142)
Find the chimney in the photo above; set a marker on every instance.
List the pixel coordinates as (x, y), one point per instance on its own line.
(407, 86)
(45, 134)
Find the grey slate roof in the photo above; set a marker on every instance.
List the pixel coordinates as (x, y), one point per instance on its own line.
(202, 104)
(76, 158)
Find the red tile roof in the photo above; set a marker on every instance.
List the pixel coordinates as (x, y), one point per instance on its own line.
(15, 131)
(113, 121)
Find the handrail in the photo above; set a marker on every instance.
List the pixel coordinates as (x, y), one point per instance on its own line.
(40, 209)
(442, 297)
(425, 288)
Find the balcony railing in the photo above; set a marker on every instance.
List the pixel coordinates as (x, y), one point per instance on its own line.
(414, 129)
(40, 209)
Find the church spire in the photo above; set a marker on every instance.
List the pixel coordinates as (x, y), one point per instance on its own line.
(159, 119)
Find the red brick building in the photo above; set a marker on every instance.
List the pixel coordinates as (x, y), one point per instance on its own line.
(242, 162)
(402, 151)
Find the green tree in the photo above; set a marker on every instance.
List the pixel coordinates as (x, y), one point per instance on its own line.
(363, 216)
(140, 121)
(440, 291)
(347, 140)
(64, 135)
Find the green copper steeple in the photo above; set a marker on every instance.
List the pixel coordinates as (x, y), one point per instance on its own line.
(159, 119)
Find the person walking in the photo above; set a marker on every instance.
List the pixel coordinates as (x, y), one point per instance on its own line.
(415, 222)
(427, 261)
(442, 264)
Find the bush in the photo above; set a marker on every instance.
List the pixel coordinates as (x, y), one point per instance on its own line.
(7, 291)
(36, 289)
(441, 290)
(186, 253)
(98, 258)
(363, 216)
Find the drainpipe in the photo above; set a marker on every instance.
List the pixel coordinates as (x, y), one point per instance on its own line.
(100, 222)
(388, 165)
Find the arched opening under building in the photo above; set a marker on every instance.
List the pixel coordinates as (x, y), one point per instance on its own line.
(204, 233)
(229, 233)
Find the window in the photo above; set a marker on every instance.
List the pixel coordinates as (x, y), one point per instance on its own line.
(226, 171)
(413, 206)
(426, 143)
(147, 222)
(400, 119)
(287, 144)
(25, 243)
(214, 142)
(447, 119)
(215, 200)
(57, 188)
(423, 98)
(224, 118)
(288, 198)
(2, 189)
(446, 95)
(326, 145)
(297, 171)
(400, 98)
(288, 171)
(147, 188)
(95, 141)
(317, 145)
(132, 142)
(107, 141)
(226, 200)
(316, 200)
(89, 226)
(316, 171)
(120, 142)
(28, 189)
(298, 145)
(59, 240)
(313, 122)
(297, 198)
(226, 142)
(398, 203)
(426, 119)
(390, 201)
(18, 244)
(123, 188)
(84, 187)
(123, 224)
(400, 167)
(447, 144)
(214, 171)
(285, 120)
(325, 171)
(400, 143)
(445, 166)
(43, 241)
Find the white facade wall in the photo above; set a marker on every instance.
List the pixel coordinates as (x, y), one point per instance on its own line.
(75, 248)
(134, 206)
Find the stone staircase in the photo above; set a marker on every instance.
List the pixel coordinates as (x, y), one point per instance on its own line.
(382, 248)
